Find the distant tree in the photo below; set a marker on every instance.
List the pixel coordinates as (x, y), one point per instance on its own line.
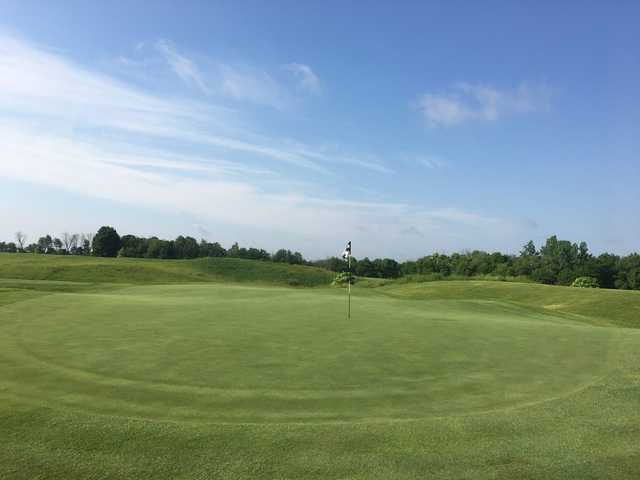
(7, 247)
(21, 238)
(132, 246)
(334, 264)
(529, 249)
(167, 249)
(387, 267)
(606, 267)
(257, 254)
(407, 268)
(157, 248)
(281, 256)
(436, 263)
(57, 245)
(45, 244)
(559, 261)
(234, 251)
(186, 247)
(286, 256)
(69, 242)
(207, 249)
(366, 268)
(87, 243)
(106, 242)
(628, 276)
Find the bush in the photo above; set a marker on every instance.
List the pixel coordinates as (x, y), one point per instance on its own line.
(585, 282)
(343, 279)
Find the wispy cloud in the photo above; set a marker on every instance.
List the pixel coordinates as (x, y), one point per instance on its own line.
(307, 79)
(466, 102)
(183, 66)
(237, 81)
(432, 162)
(67, 127)
(253, 85)
(45, 86)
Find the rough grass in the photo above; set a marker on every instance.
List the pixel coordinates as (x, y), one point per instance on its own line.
(465, 380)
(140, 270)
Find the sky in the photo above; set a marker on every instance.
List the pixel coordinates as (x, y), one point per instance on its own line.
(406, 127)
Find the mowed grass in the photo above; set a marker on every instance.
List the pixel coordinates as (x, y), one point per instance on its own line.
(237, 380)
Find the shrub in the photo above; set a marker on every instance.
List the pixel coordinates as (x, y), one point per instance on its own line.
(585, 282)
(343, 279)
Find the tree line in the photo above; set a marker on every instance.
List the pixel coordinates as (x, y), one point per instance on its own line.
(108, 243)
(557, 262)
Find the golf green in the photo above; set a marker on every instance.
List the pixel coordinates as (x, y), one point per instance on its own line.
(437, 375)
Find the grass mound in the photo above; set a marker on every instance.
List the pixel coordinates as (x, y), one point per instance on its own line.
(137, 270)
(598, 306)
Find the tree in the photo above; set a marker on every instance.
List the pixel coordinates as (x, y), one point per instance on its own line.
(8, 247)
(628, 276)
(207, 249)
(21, 238)
(529, 249)
(606, 267)
(334, 264)
(69, 242)
(87, 243)
(559, 261)
(45, 244)
(186, 247)
(234, 251)
(281, 256)
(408, 267)
(106, 242)
(57, 244)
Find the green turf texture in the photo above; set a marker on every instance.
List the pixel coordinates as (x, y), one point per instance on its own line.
(146, 271)
(227, 378)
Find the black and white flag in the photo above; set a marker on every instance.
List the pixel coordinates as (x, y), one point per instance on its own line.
(347, 251)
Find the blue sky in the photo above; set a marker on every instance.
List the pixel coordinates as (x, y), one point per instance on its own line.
(407, 127)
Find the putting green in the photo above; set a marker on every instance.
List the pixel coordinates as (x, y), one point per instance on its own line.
(244, 354)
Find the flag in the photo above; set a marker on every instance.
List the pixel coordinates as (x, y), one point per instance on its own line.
(347, 251)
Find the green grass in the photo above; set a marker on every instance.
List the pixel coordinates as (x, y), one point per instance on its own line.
(145, 271)
(238, 380)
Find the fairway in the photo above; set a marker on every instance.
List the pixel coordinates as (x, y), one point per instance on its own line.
(224, 380)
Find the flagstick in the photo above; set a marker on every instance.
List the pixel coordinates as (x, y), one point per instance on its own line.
(349, 292)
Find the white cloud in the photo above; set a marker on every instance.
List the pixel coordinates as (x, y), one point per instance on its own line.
(46, 86)
(467, 102)
(63, 126)
(183, 66)
(305, 75)
(252, 85)
(432, 162)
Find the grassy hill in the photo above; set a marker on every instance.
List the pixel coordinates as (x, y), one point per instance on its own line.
(589, 305)
(139, 270)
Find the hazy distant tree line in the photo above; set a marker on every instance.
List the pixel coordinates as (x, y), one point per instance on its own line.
(108, 243)
(557, 262)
